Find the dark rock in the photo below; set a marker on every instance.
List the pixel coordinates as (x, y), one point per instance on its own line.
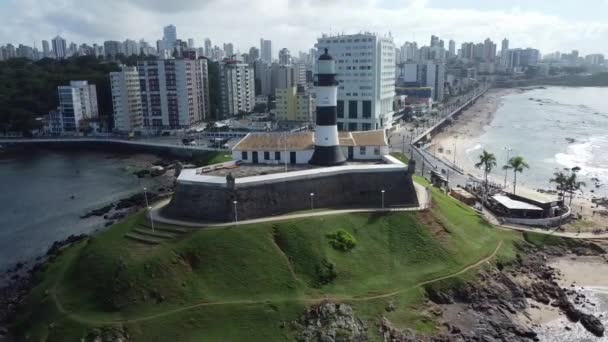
(592, 324)
(98, 212)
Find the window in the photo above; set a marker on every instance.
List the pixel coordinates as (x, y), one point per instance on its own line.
(340, 108)
(340, 126)
(352, 126)
(362, 150)
(266, 155)
(244, 155)
(366, 127)
(367, 109)
(352, 109)
(376, 150)
(277, 155)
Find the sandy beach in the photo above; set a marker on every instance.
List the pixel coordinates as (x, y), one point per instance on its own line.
(459, 138)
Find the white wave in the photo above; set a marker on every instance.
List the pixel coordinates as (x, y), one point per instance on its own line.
(474, 148)
(591, 156)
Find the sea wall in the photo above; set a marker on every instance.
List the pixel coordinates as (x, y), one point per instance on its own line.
(109, 145)
(362, 189)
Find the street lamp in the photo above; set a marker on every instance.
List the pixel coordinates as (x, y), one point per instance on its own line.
(151, 219)
(312, 201)
(382, 191)
(149, 207)
(236, 217)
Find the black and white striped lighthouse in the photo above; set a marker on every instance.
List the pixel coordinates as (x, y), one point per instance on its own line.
(327, 145)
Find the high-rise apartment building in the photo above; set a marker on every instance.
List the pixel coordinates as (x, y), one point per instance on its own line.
(365, 66)
(130, 47)
(237, 88)
(284, 57)
(46, 49)
(266, 50)
(112, 48)
(77, 102)
(175, 92)
(452, 48)
(59, 47)
(126, 100)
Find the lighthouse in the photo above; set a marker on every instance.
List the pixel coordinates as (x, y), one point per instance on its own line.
(327, 145)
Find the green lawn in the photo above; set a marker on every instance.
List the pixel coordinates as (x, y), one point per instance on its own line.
(210, 158)
(249, 279)
(402, 157)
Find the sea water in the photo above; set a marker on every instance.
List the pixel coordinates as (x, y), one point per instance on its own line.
(552, 128)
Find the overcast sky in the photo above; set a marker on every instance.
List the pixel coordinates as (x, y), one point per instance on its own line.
(548, 25)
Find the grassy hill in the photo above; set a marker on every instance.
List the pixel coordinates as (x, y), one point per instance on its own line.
(245, 283)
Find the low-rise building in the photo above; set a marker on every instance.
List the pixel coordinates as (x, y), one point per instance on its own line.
(297, 148)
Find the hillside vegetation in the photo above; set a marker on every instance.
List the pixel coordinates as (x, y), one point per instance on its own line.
(248, 282)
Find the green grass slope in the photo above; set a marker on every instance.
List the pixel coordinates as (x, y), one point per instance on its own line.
(240, 283)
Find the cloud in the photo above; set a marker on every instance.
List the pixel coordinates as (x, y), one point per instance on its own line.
(295, 24)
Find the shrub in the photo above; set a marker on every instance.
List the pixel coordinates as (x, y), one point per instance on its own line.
(325, 273)
(342, 240)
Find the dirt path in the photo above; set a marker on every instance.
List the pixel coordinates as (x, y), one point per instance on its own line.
(80, 319)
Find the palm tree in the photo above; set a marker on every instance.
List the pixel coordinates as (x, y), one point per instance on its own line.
(572, 184)
(560, 180)
(487, 161)
(517, 164)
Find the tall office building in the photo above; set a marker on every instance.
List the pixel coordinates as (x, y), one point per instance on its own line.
(489, 51)
(59, 47)
(284, 57)
(77, 101)
(237, 88)
(208, 48)
(254, 54)
(504, 52)
(46, 49)
(191, 43)
(434, 77)
(266, 50)
(228, 50)
(126, 100)
(169, 37)
(365, 67)
(452, 48)
(175, 92)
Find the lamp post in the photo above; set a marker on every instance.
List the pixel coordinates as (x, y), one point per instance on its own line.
(382, 191)
(236, 217)
(312, 201)
(151, 219)
(148, 207)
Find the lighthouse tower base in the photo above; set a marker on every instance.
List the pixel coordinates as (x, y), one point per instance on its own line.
(327, 156)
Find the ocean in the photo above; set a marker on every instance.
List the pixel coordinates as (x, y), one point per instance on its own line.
(552, 128)
(36, 204)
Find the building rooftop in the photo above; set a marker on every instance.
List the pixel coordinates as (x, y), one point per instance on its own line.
(301, 141)
(512, 204)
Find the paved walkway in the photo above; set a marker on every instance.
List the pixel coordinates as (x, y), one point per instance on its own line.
(421, 191)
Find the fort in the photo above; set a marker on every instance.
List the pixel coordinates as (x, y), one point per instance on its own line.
(217, 198)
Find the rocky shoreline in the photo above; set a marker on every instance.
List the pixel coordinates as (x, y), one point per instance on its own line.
(20, 279)
(488, 309)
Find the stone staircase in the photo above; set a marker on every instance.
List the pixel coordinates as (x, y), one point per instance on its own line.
(144, 234)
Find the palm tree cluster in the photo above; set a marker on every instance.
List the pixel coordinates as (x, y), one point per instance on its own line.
(487, 162)
(567, 183)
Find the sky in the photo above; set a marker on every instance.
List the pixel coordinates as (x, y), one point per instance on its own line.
(549, 25)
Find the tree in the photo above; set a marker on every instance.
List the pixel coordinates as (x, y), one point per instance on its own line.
(517, 164)
(560, 179)
(572, 183)
(487, 161)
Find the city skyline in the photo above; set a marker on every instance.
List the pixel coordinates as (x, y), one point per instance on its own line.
(296, 25)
